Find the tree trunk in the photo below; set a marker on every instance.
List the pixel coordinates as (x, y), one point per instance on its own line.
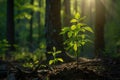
(31, 29)
(39, 21)
(90, 13)
(53, 29)
(67, 14)
(53, 25)
(99, 28)
(10, 25)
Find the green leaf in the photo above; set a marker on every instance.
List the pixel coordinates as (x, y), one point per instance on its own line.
(76, 33)
(51, 62)
(50, 52)
(69, 34)
(81, 19)
(88, 29)
(71, 44)
(63, 32)
(58, 52)
(75, 47)
(80, 25)
(54, 48)
(77, 16)
(83, 36)
(65, 29)
(82, 30)
(60, 59)
(73, 27)
(54, 54)
(73, 21)
(83, 42)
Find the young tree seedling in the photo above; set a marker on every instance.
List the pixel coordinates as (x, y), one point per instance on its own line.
(76, 34)
(55, 59)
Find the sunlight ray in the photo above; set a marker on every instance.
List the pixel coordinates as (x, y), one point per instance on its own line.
(111, 8)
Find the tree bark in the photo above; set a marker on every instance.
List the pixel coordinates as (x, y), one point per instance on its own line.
(53, 29)
(10, 25)
(31, 29)
(39, 21)
(53, 26)
(99, 28)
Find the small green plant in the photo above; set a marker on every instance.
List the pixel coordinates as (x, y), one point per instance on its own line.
(55, 59)
(76, 34)
(31, 64)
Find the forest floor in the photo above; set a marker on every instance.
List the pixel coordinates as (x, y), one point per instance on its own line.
(86, 69)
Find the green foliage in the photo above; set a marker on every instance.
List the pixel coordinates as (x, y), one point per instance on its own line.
(55, 59)
(23, 54)
(112, 38)
(3, 47)
(77, 34)
(30, 64)
(112, 31)
(23, 9)
(3, 17)
(28, 59)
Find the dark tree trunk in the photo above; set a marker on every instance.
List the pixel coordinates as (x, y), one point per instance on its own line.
(39, 21)
(31, 29)
(99, 28)
(31, 25)
(53, 29)
(53, 26)
(10, 24)
(67, 14)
